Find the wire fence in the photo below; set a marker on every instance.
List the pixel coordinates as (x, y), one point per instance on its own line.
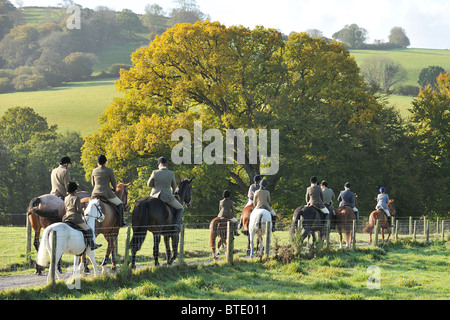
(18, 255)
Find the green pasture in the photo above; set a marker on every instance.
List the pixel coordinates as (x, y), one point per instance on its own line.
(413, 60)
(408, 269)
(74, 107)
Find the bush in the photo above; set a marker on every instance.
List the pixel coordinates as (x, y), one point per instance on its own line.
(114, 69)
(5, 85)
(27, 82)
(412, 91)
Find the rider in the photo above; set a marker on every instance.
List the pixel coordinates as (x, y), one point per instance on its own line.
(60, 177)
(346, 197)
(382, 204)
(102, 178)
(314, 197)
(226, 210)
(261, 200)
(252, 189)
(328, 196)
(74, 215)
(162, 182)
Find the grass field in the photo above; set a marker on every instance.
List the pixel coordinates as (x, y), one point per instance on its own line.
(74, 107)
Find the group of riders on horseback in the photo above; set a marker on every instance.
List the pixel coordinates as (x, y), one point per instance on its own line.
(163, 184)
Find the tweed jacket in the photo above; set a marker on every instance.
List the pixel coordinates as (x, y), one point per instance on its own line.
(162, 182)
(74, 212)
(314, 196)
(346, 197)
(59, 177)
(226, 209)
(261, 199)
(102, 180)
(328, 196)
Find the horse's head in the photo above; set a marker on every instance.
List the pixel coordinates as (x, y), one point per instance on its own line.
(122, 194)
(184, 192)
(94, 210)
(391, 207)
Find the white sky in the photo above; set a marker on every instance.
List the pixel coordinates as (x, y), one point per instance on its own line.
(426, 22)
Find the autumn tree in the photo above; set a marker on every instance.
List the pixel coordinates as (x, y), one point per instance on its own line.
(232, 78)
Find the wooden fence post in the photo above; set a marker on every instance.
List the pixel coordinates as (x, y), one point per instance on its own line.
(230, 248)
(427, 231)
(267, 242)
(354, 235)
(53, 261)
(414, 231)
(328, 232)
(377, 227)
(410, 225)
(29, 234)
(437, 226)
(127, 251)
(396, 230)
(181, 258)
(393, 224)
(425, 226)
(443, 233)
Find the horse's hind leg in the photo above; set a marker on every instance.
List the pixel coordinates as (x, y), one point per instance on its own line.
(175, 240)
(136, 244)
(156, 241)
(168, 252)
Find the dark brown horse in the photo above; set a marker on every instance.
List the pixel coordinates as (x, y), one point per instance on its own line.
(380, 216)
(218, 228)
(111, 225)
(344, 221)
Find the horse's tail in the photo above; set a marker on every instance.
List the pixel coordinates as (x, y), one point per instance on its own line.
(213, 233)
(371, 225)
(43, 248)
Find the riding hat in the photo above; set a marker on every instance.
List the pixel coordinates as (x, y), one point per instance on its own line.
(101, 159)
(71, 186)
(347, 185)
(257, 178)
(382, 189)
(162, 160)
(64, 160)
(264, 183)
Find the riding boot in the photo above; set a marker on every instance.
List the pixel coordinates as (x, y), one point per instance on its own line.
(274, 220)
(389, 218)
(177, 220)
(89, 237)
(121, 221)
(236, 233)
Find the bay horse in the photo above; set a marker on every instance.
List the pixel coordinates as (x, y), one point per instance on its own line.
(218, 228)
(344, 222)
(257, 227)
(378, 215)
(111, 225)
(153, 215)
(312, 222)
(70, 240)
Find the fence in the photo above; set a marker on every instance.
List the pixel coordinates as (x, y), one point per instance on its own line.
(18, 254)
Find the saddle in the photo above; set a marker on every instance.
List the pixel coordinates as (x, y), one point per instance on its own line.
(103, 200)
(85, 234)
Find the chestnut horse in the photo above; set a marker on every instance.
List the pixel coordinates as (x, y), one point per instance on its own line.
(245, 220)
(218, 228)
(43, 211)
(378, 215)
(111, 225)
(344, 221)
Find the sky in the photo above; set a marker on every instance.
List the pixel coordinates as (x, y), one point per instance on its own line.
(426, 22)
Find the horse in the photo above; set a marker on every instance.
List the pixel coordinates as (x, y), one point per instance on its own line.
(111, 225)
(311, 222)
(70, 240)
(218, 228)
(152, 214)
(378, 215)
(344, 221)
(245, 219)
(257, 227)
